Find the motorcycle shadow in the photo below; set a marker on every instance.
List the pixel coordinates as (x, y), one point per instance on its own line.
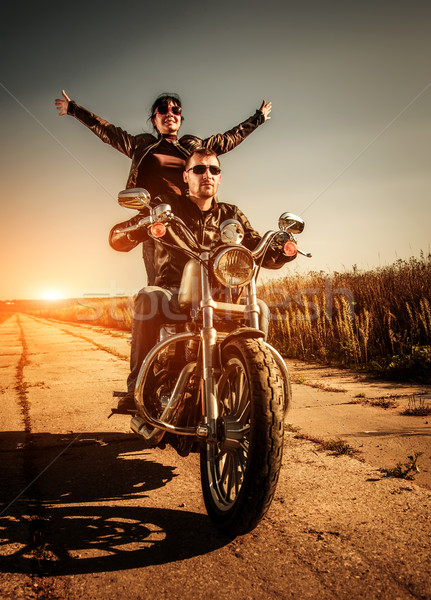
(91, 539)
(45, 530)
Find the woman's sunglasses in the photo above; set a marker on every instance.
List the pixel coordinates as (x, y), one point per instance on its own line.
(163, 109)
(201, 169)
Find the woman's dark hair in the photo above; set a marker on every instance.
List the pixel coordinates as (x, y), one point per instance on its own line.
(164, 99)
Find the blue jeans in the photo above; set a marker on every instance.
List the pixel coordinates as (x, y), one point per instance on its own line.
(153, 307)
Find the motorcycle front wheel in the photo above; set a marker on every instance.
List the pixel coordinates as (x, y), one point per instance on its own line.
(240, 472)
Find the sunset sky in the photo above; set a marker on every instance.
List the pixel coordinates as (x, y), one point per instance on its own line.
(348, 146)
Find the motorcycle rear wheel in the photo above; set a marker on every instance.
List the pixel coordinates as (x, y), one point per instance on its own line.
(239, 474)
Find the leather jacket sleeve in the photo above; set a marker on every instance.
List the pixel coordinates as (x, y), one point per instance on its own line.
(110, 134)
(221, 143)
(126, 143)
(124, 242)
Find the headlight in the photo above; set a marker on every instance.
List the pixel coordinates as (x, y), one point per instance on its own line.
(233, 266)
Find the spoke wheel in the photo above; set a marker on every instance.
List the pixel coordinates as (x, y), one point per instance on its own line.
(239, 474)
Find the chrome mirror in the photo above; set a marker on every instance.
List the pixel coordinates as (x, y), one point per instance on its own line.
(136, 198)
(231, 232)
(291, 223)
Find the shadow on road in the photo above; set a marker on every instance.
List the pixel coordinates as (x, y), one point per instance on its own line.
(108, 538)
(44, 528)
(74, 468)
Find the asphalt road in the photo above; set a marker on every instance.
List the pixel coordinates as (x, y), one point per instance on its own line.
(86, 512)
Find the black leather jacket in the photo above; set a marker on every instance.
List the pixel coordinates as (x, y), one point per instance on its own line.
(137, 147)
(169, 262)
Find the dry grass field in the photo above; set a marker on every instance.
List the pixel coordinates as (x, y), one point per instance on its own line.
(377, 320)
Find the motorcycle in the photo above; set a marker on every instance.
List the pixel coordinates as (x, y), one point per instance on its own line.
(212, 384)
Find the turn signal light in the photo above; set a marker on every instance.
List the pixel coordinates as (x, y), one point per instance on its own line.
(158, 229)
(290, 248)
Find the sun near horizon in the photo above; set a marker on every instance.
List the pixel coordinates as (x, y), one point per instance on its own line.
(51, 295)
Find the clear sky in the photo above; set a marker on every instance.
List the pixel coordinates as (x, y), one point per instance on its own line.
(348, 146)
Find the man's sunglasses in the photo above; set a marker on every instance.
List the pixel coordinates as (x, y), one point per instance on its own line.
(201, 169)
(163, 109)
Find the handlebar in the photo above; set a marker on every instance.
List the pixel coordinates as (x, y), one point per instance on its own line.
(306, 254)
(163, 213)
(144, 221)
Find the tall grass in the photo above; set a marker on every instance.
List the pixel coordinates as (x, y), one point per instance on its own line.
(113, 312)
(378, 319)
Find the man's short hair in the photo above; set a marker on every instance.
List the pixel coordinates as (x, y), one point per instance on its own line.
(201, 152)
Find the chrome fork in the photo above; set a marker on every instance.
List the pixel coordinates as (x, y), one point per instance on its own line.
(209, 344)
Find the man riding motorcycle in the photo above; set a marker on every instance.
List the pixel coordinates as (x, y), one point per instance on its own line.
(202, 213)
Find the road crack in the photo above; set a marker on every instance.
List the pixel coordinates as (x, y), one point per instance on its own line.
(107, 349)
(37, 516)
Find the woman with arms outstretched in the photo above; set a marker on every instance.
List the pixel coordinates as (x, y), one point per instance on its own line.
(158, 161)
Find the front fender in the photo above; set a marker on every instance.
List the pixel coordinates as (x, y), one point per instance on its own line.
(243, 332)
(250, 332)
